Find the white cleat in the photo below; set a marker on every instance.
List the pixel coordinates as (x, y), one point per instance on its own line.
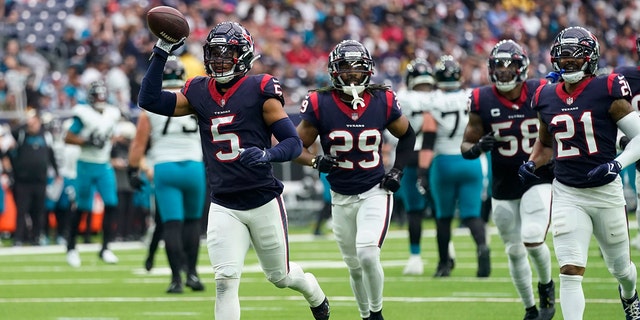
(414, 266)
(108, 257)
(73, 258)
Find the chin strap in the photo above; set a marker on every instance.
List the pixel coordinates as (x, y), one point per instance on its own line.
(357, 101)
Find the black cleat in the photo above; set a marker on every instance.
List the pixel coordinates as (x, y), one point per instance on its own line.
(531, 313)
(484, 262)
(547, 300)
(194, 283)
(322, 311)
(376, 315)
(444, 268)
(175, 287)
(148, 264)
(631, 306)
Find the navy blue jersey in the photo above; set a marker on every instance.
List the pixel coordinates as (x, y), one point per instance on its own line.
(583, 132)
(231, 121)
(354, 136)
(516, 128)
(632, 74)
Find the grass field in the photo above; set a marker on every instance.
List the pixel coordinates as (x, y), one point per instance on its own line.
(37, 284)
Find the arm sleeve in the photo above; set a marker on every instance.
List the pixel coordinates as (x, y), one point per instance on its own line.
(151, 96)
(404, 148)
(289, 144)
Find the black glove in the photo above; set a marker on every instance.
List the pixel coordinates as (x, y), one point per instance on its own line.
(254, 156)
(391, 180)
(134, 178)
(605, 171)
(526, 172)
(485, 144)
(324, 163)
(95, 140)
(422, 182)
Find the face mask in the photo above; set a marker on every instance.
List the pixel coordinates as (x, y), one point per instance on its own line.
(506, 86)
(573, 77)
(353, 91)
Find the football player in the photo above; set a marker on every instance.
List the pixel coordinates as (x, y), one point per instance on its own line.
(632, 74)
(419, 81)
(502, 123)
(92, 128)
(174, 153)
(237, 116)
(350, 117)
(579, 118)
(459, 182)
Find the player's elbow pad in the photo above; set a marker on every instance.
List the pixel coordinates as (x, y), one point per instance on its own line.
(404, 149)
(289, 144)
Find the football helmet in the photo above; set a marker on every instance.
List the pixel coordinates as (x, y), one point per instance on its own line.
(174, 74)
(577, 43)
(97, 93)
(350, 66)
(508, 65)
(419, 71)
(228, 51)
(447, 73)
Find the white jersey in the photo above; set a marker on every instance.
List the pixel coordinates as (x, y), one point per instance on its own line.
(101, 124)
(66, 158)
(413, 104)
(449, 109)
(174, 139)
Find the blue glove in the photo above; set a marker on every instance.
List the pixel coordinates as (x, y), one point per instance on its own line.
(324, 163)
(605, 171)
(526, 172)
(391, 180)
(254, 156)
(553, 76)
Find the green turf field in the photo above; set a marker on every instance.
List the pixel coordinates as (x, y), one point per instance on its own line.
(40, 285)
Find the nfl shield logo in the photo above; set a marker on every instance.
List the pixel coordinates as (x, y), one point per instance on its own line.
(354, 116)
(569, 100)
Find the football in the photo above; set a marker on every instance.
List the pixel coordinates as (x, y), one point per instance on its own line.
(167, 23)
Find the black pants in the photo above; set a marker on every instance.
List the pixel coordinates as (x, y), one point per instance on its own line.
(30, 200)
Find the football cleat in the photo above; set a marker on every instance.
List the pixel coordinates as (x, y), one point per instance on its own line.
(376, 315)
(531, 313)
(175, 287)
(484, 262)
(108, 257)
(414, 266)
(194, 283)
(630, 306)
(148, 263)
(444, 268)
(73, 258)
(322, 311)
(547, 300)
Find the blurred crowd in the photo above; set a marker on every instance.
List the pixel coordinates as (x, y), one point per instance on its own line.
(50, 50)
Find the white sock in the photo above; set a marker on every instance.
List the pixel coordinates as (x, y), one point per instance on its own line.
(541, 258)
(521, 276)
(571, 297)
(227, 300)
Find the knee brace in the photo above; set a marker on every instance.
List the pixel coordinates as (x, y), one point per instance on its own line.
(515, 251)
(369, 257)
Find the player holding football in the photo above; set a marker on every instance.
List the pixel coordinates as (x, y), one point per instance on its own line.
(502, 122)
(237, 117)
(350, 117)
(579, 118)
